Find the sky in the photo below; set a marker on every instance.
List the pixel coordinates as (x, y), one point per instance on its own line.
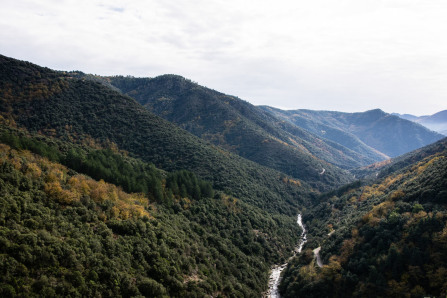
(343, 55)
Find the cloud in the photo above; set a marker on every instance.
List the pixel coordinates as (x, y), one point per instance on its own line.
(347, 55)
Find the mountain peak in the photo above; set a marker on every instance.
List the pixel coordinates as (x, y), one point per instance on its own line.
(377, 112)
(169, 76)
(439, 116)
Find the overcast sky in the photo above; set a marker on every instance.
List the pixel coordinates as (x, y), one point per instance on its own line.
(344, 55)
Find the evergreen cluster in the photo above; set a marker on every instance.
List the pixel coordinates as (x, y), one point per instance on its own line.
(88, 113)
(64, 234)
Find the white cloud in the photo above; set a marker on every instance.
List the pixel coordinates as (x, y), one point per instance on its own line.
(349, 55)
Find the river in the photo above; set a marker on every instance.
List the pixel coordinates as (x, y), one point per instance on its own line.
(275, 276)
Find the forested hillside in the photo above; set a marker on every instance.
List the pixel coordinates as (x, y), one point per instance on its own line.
(63, 233)
(85, 112)
(100, 197)
(386, 238)
(238, 126)
(373, 133)
(165, 213)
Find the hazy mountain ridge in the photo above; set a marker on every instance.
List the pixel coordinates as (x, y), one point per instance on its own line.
(436, 122)
(326, 130)
(374, 132)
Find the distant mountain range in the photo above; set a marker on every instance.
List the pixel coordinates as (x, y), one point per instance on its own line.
(373, 133)
(288, 141)
(436, 122)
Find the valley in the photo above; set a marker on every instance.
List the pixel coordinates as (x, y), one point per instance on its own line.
(382, 236)
(159, 187)
(275, 275)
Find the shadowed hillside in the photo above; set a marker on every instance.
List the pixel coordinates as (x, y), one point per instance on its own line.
(76, 110)
(100, 197)
(240, 127)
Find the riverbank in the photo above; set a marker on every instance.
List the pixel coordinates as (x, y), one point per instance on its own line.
(275, 276)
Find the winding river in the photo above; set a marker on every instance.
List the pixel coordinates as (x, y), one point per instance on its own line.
(275, 276)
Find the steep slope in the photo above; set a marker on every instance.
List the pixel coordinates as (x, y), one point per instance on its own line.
(436, 122)
(53, 103)
(374, 133)
(238, 126)
(412, 157)
(64, 234)
(387, 237)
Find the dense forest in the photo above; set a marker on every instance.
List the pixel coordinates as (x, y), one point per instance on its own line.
(101, 197)
(80, 111)
(65, 234)
(382, 238)
(240, 127)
